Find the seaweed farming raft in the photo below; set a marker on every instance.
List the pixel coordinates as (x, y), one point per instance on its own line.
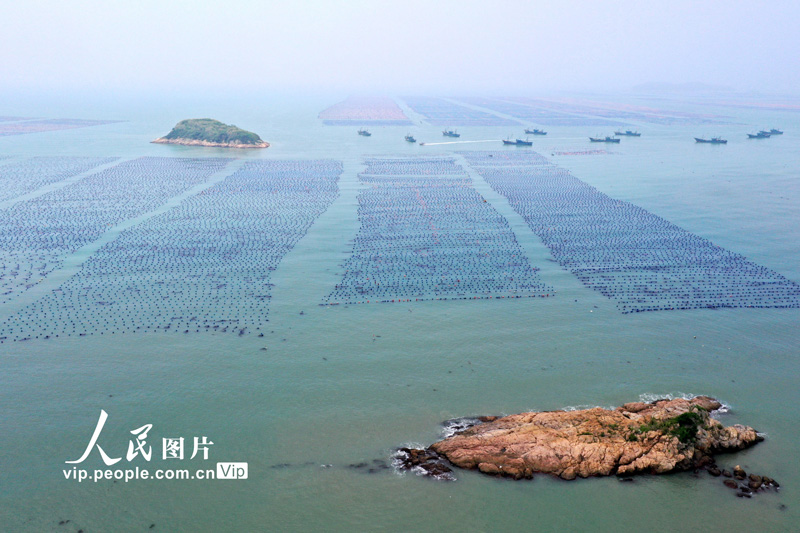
(361, 110)
(21, 177)
(568, 111)
(427, 234)
(203, 266)
(640, 260)
(440, 112)
(55, 124)
(36, 235)
(538, 115)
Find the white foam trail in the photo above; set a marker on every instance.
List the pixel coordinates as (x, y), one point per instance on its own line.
(650, 397)
(457, 425)
(461, 142)
(725, 409)
(447, 476)
(413, 446)
(586, 406)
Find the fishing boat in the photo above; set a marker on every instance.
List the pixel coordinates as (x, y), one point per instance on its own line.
(451, 133)
(518, 142)
(713, 140)
(410, 138)
(760, 135)
(773, 131)
(605, 140)
(535, 132)
(365, 133)
(628, 133)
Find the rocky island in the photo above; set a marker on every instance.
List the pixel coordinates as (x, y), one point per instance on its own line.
(209, 132)
(636, 438)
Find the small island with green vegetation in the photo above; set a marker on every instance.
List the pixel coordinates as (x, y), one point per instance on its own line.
(209, 132)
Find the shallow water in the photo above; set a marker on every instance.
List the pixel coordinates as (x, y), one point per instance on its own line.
(346, 384)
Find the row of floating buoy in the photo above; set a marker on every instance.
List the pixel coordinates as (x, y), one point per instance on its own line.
(39, 233)
(625, 252)
(426, 233)
(22, 177)
(202, 266)
(441, 113)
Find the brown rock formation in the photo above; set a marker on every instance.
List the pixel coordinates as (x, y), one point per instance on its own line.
(658, 437)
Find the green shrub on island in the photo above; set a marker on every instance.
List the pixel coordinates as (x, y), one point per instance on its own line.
(213, 131)
(684, 426)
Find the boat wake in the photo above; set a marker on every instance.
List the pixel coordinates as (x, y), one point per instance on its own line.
(462, 142)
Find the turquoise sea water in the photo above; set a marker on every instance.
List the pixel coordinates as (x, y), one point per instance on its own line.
(344, 385)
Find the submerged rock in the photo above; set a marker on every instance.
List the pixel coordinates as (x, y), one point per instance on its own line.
(753, 483)
(658, 437)
(425, 462)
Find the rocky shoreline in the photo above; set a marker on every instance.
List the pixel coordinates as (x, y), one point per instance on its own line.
(195, 142)
(637, 438)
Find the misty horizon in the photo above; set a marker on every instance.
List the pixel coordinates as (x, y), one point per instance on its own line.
(400, 47)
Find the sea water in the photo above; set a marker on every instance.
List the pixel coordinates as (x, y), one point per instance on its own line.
(328, 387)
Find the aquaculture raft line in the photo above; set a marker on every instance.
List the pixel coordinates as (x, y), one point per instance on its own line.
(538, 115)
(21, 177)
(203, 266)
(37, 234)
(426, 234)
(39, 126)
(375, 111)
(440, 112)
(628, 254)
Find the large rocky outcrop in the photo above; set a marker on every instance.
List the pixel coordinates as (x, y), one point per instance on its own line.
(658, 437)
(210, 132)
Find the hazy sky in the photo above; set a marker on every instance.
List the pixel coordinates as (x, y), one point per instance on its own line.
(502, 45)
